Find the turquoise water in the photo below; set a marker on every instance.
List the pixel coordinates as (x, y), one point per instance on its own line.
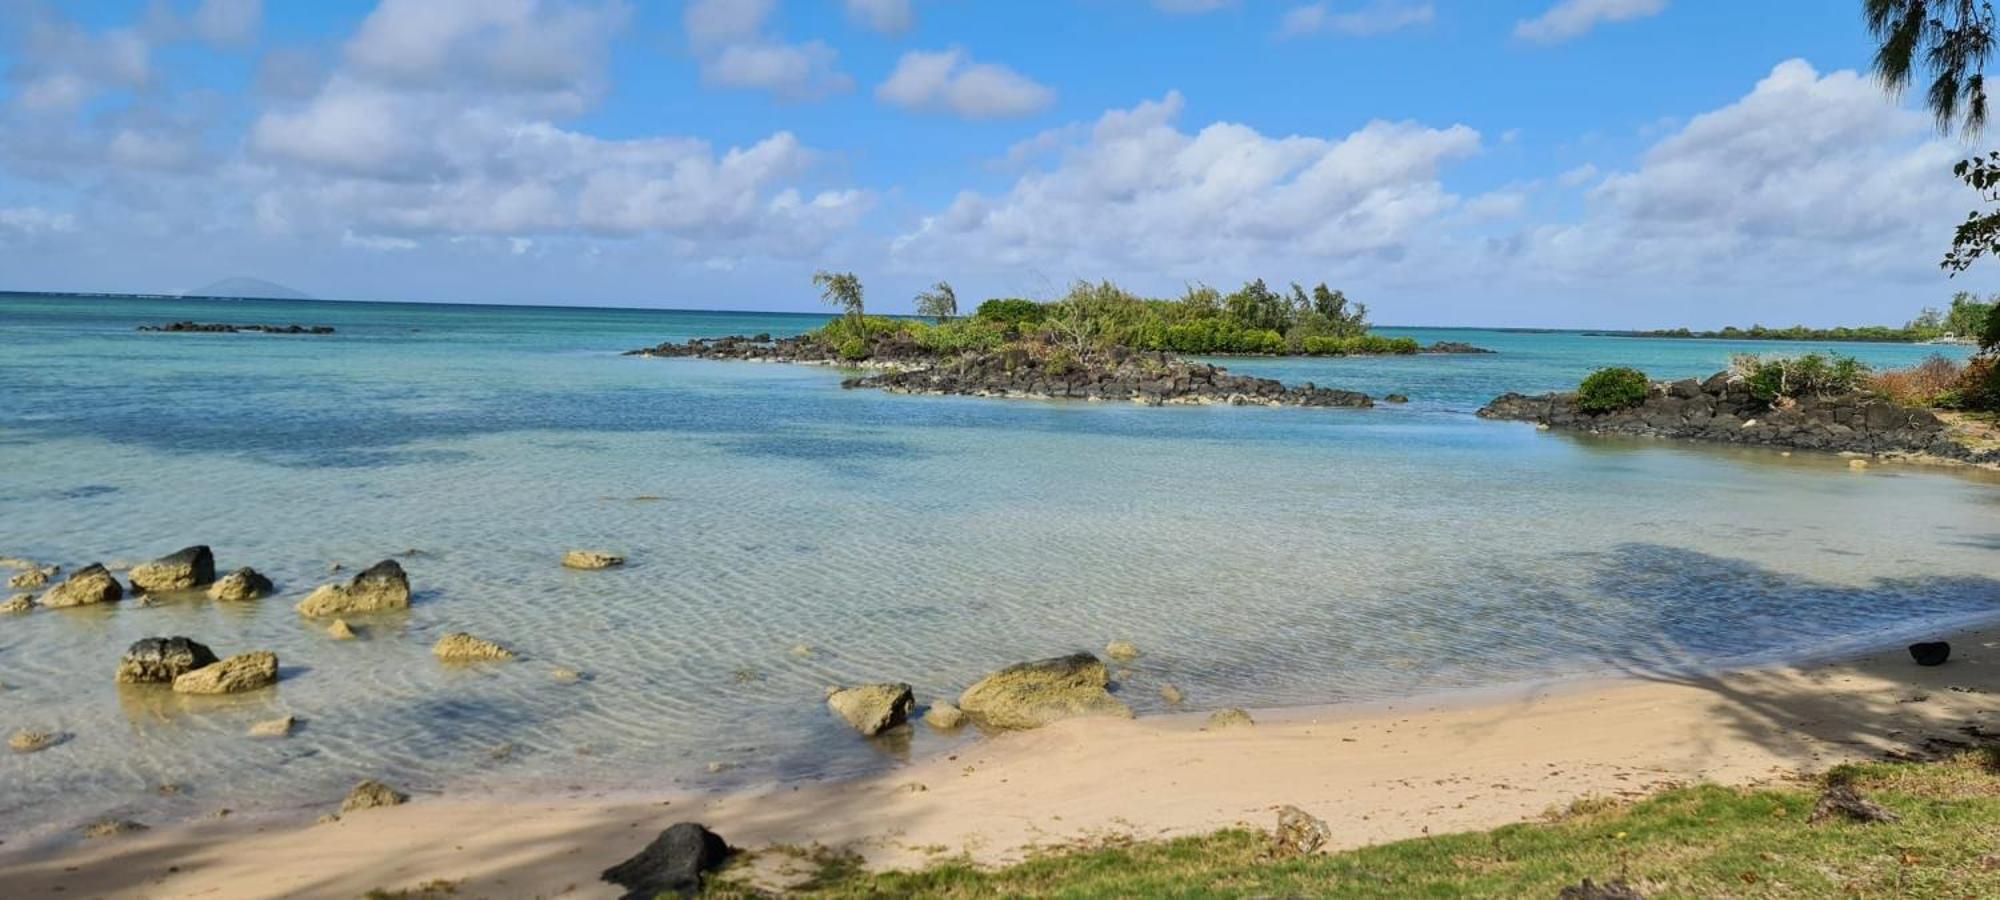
(1261, 557)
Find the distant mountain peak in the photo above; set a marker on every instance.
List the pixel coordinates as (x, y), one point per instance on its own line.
(243, 286)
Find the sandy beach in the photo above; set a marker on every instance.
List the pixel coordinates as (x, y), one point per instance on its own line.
(1378, 773)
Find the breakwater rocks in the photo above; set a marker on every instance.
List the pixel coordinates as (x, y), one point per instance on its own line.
(1454, 347)
(226, 328)
(1153, 379)
(1723, 410)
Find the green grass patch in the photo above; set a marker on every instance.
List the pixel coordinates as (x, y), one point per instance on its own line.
(1694, 842)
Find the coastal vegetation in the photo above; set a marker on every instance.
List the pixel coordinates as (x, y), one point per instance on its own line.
(1695, 841)
(1965, 321)
(1607, 390)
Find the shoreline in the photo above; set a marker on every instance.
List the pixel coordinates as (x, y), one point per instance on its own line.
(1466, 759)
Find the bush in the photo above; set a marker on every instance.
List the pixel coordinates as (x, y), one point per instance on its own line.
(1059, 363)
(1933, 382)
(853, 348)
(1358, 345)
(1978, 386)
(1780, 379)
(1011, 312)
(1613, 389)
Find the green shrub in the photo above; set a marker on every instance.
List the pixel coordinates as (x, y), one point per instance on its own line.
(1613, 389)
(853, 348)
(1366, 344)
(1773, 379)
(1011, 311)
(1059, 363)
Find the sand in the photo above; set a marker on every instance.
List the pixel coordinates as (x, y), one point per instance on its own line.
(1375, 773)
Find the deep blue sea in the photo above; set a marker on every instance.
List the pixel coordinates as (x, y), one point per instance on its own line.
(1260, 557)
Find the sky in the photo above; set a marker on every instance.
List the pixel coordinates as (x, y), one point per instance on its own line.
(1583, 163)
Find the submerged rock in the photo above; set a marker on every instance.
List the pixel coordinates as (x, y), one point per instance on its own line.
(272, 728)
(19, 603)
(340, 630)
(944, 716)
(160, 660)
(1171, 694)
(31, 741)
(565, 675)
(873, 708)
(239, 673)
(1122, 651)
(1033, 694)
(33, 577)
(591, 559)
(241, 585)
(191, 567)
(86, 586)
(673, 863)
(1228, 718)
(372, 794)
(380, 588)
(462, 647)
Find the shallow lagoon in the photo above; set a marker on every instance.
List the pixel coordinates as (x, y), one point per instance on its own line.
(1261, 557)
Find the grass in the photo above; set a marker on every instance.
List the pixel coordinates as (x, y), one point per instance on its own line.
(1702, 841)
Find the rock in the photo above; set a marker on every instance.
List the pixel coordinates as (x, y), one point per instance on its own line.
(1930, 653)
(19, 603)
(591, 559)
(371, 794)
(239, 586)
(35, 577)
(88, 585)
(161, 660)
(111, 828)
(1610, 890)
(1857, 464)
(944, 716)
(1299, 833)
(188, 568)
(1122, 651)
(801, 651)
(239, 673)
(15, 562)
(873, 708)
(1228, 718)
(380, 588)
(274, 728)
(462, 647)
(1033, 694)
(565, 675)
(1171, 694)
(31, 741)
(672, 864)
(1840, 799)
(1396, 398)
(340, 630)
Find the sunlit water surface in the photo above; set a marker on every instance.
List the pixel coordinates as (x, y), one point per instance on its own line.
(1260, 557)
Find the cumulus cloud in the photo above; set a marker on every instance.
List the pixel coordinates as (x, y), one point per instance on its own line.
(736, 48)
(228, 22)
(1135, 191)
(886, 16)
(1374, 17)
(1574, 18)
(948, 81)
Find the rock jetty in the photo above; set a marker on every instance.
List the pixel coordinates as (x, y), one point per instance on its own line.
(1722, 409)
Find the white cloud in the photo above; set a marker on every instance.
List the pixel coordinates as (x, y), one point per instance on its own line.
(736, 49)
(1575, 18)
(1495, 206)
(228, 22)
(1135, 192)
(1373, 17)
(886, 16)
(713, 23)
(33, 220)
(948, 81)
(512, 45)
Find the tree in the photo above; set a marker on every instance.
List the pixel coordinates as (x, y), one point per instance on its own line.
(842, 289)
(940, 302)
(1950, 40)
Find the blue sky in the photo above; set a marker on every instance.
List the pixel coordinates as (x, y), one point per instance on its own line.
(1540, 162)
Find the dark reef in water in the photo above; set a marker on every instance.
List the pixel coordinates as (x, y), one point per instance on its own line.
(226, 328)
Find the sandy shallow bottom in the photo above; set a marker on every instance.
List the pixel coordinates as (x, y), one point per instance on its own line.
(1376, 773)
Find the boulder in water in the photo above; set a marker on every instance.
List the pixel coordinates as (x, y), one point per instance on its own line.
(591, 559)
(239, 673)
(462, 647)
(1930, 653)
(380, 588)
(30, 741)
(19, 603)
(673, 863)
(191, 567)
(1122, 651)
(873, 708)
(88, 585)
(340, 630)
(274, 728)
(160, 660)
(32, 577)
(944, 716)
(1033, 694)
(241, 585)
(372, 794)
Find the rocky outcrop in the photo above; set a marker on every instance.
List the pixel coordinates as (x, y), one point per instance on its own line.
(1454, 347)
(88, 585)
(1033, 694)
(1722, 409)
(19, 603)
(381, 588)
(226, 328)
(591, 559)
(873, 708)
(372, 794)
(1228, 718)
(240, 586)
(160, 660)
(673, 863)
(460, 647)
(32, 577)
(1150, 378)
(179, 571)
(239, 673)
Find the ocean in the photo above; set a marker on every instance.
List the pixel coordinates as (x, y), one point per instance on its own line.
(1260, 557)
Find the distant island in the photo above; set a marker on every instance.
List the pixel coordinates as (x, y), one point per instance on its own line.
(1961, 324)
(247, 288)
